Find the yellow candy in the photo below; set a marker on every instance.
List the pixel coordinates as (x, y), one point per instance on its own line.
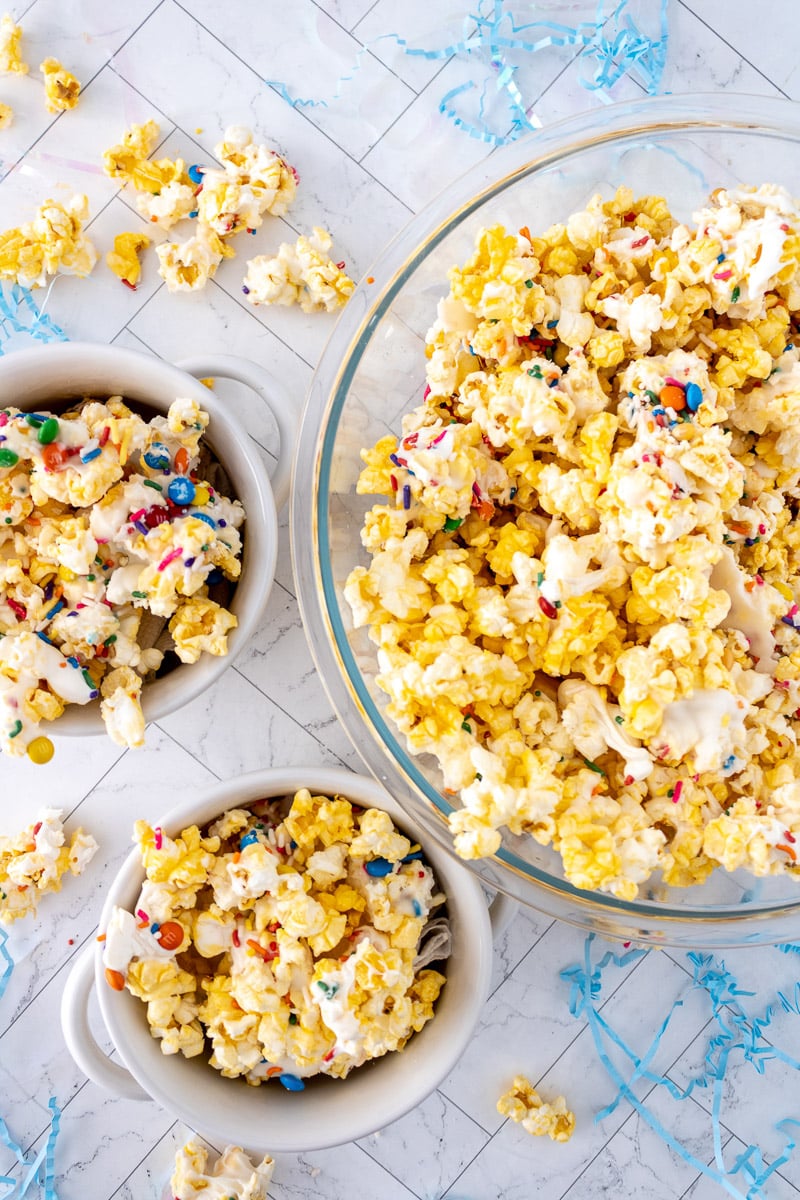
(201, 497)
(40, 750)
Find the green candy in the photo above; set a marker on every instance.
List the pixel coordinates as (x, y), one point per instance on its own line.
(8, 458)
(48, 431)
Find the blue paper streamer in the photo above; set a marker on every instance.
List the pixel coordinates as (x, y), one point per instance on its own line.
(20, 314)
(609, 47)
(739, 1035)
(6, 960)
(39, 1167)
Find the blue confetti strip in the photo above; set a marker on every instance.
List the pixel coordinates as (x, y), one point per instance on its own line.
(20, 314)
(6, 960)
(739, 1036)
(609, 47)
(40, 1167)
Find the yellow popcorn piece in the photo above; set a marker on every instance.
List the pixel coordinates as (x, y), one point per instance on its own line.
(61, 88)
(123, 260)
(127, 160)
(201, 625)
(11, 60)
(6, 116)
(523, 1105)
(233, 1174)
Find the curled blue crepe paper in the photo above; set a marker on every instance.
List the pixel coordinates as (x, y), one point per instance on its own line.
(20, 314)
(500, 46)
(39, 1167)
(739, 1035)
(6, 962)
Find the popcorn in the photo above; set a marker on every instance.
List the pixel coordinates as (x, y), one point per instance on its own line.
(253, 180)
(6, 116)
(302, 274)
(233, 1176)
(109, 534)
(584, 586)
(52, 242)
(35, 862)
(61, 88)
(316, 935)
(123, 260)
(524, 1105)
(10, 51)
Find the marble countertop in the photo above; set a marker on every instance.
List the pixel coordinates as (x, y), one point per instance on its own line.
(367, 162)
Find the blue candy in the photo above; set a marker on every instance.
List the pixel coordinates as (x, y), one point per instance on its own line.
(181, 490)
(205, 517)
(248, 839)
(379, 867)
(157, 457)
(195, 173)
(292, 1083)
(694, 396)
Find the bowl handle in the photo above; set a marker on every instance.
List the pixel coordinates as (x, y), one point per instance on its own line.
(502, 911)
(81, 1044)
(228, 366)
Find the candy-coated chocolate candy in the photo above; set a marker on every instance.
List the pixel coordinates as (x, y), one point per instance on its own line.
(170, 935)
(40, 750)
(181, 490)
(291, 1083)
(8, 458)
(378, 867)
(115, 979)
(48, 431)
(157, 457)
(54, 456)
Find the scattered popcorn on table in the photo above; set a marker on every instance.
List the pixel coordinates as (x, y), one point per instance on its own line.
(302, 274)
(253, 180)
(52, 242)
(585, 586)
(317, 922)
(123, 260)
(6, 116)
(10, 48)
(233, 1176)
(61, 88)
(35, 861)
(107, 530)
(524, 1105)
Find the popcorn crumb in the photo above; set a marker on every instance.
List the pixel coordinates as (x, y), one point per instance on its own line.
(61, 88)
(523, 1105)
(34, 862)
(6, 116)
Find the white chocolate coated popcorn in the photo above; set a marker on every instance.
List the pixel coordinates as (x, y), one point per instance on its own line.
(585, 583)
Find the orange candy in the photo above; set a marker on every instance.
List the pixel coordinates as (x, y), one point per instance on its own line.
(672, 397)
(170, 935)
(181, 460)
(115, 979)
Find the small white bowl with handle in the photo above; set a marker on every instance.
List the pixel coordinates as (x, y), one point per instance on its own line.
(328, 1112)
(61, 375)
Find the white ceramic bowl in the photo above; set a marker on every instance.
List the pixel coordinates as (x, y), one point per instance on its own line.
(329, 1112)
(51, 375)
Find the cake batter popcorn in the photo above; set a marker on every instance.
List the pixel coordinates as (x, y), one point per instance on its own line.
(108, 533)
(291, 942)
(35, 861)
(303, 274)
(523, 1104)
(583, 582)
(53, 242)
(123, 260)
(233, 1177)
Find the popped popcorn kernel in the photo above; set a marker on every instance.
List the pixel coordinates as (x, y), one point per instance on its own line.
(61, 88)
(35, 861)
(523, 1105)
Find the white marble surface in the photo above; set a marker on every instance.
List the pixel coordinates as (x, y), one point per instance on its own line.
(367, 162)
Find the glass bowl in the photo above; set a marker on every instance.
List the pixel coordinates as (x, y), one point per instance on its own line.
(373, 370)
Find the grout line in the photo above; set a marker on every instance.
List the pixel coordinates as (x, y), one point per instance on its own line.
(145, 1156)
(730, 46)
(186, 749)
(281, 709)
(299, 112)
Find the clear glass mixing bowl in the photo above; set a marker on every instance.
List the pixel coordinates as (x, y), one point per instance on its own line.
(373, 370)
